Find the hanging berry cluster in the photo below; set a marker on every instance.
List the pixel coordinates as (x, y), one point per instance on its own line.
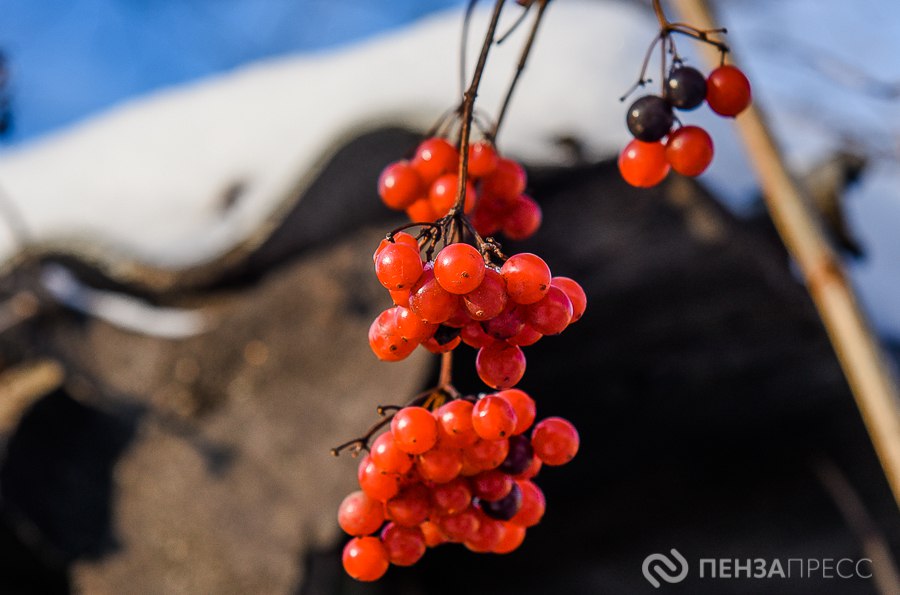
(425, 187)
(461, 473)
(659, 145)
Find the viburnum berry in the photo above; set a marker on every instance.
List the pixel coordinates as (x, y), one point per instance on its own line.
(431, 302)
(523, 219)
(513, 536)
(493, 418)
(507, 181)
(385, 338)
(689, 150)
(650, 118)
(399, 185)
(432, 534)
(410, 507)
(525, 337)
(483, 159)
(452, 497)
(360, 515)
(555, 441)
(365, 558)
(443, 194)
(527, 277)
(440, 465)
(458, 527)
(491, 485)
(459, 268)
(454, 422)
(411, 327)
(401, 237)
(685, 88)
(533, 504)
(520, 456)
(376, 483)
(488, 299)
(727, 91)
(421, 210)
(474, 336)
(500, 365)
(388, 457)
(486, 454)
(523, 405)
(434, 158)
(551, 314)
(506, 507)
(398, 266)
(643, 164)
(404, 545)
(436, 347)
(486, 537)
(507, 324)
(575, 293)
(414, 430)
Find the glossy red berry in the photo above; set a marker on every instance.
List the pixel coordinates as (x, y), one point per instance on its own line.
(551, 314)
(385, 340)
(454, 420)
(404, 545)
(398, 266)
(385, 454)
(523, 405)
(440, 465)
(401, 237)
(507, 181)
(434, 158)
(533, 505)
(513, 536)
(421, 211)
(500, 365)
(459, 268)
(483, 159)
(399, 185)
(431, 302)
(376, 483)
(365, 558)
(575, 293)
(493, 418)
(452, 497)
(360, 515)
(689, 150)
(410, 507)
(643, 164)
(491, 485)
(555, 441)
(414, 430)
(527, 277)
(443, 194)
(488, 299)
(524, 218)
(727, 91)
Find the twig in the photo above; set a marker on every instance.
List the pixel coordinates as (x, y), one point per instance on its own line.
(857, 349)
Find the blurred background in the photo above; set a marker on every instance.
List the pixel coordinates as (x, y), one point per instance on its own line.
(187, 212)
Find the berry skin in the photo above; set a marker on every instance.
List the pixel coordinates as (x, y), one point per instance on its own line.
(485, 454)
(459, 268)
(524, 218)
(486, 537)
(507, 324)
(491, 485)
(399, 185)
(454, 420)
(376, 483)
(533, 505)
(483, 159)
(434, 158)
(533, 469)
(493, 418)
(555, 441)
(474, 336)
(523, 405)
(421, 211)
(520, 457)
(506, 183)
(727, 91)
(411, 327)
(689, 150)
(443, 194)
(401, 237)
(643, 164)
(525, 337)
(410, 507)
(650, 118)
(440, 465)
(527, 277)
(431, 302)
(488, 299)
(360, 515)
(365, 558)
(552, 314)
(388, 457)
(500, 365)
(504, 508)
(452, 497)
(438, 348)
(398, 266)
(404, 545)
(385, 339)
(458, 527)
(513, 536)
(433, 535)
(575, 294)
(414, 430)
(685, 88)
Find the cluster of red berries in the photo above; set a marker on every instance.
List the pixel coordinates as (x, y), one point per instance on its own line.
(458, 298)
(426, 188)
(646, 160)
(460, 474)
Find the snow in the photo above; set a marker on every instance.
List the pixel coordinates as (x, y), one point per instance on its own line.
(148, 178)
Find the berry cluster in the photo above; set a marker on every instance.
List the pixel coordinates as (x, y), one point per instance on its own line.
(646, 160)
(462, 473)
(426, 187)
(459, 298)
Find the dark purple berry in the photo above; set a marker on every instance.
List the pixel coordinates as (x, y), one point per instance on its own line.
(650, 118)
(520, 455)
(685, 88)
(506, 507)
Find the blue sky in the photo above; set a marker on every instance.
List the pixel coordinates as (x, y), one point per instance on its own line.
(70, 58)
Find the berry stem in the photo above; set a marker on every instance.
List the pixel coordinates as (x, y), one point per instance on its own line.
(520, 66)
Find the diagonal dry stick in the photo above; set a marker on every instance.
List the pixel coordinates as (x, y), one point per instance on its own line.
(857, 349)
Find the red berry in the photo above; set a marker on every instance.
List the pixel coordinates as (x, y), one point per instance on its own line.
(411, 327)
(486, 537)
(458, 527)
(727, 91)
(555, 441)
(523, 405)
(459, 268)
(385, 339)
(360, 515)
(410, 507)
(433, 535)
(485, 454)
(507, 181)
(432, 345)
(398, 266)
(533, 505)
(507, 324)
(388, 457)
(430, 301)
(399, 185)
(575, 294)
(404, 545)
(689, 150)
(488, 299)
(491, 485)
(493, 418)
(400, 297)
(513, 536)
(452, 497)
(474, 336)
(483, 159)
(523, 220)
(440, 465)
(500, 365)
(533, 469)
(414, 430)
(643, 164)
(434, 157)
(421, 211)
(454, 420)
(376, 483)
(443, 194)
(525, 337)
(527, 277)
(552, 314)
(365, 558)
(401, 237)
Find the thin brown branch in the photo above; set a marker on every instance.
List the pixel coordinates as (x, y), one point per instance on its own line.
(799, 226)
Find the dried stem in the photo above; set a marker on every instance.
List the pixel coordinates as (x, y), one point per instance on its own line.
(857, 349)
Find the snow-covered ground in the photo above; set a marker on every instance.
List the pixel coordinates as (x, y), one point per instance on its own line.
(148, 177)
